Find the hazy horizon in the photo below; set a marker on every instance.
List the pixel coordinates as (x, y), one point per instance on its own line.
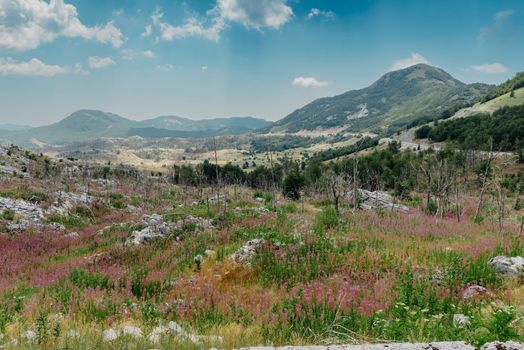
(201, 59)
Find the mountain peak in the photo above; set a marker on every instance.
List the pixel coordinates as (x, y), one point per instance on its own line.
(419, 71)
(389, 104)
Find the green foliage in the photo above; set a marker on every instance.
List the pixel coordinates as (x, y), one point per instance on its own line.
(293, 184)
(116, 201)
(336, 152)
(8, 215)
(326, 219)
(282, 143)
(504, 127)
(510, 85)
(84, 279)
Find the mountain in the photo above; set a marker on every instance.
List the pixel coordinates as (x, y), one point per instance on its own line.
(89, 125)
(392, 102)
(13, 127)
(185, 124)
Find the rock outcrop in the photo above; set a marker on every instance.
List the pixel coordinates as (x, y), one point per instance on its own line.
(248, 251)
(508, 266)
(369, 200)
(157, 227)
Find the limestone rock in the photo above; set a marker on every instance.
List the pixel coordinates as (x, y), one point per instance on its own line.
(248, 251)
(508, 266)
(473, 291)
(390, 346)
(509, 345)
(109, 335)
(132, 331)
(369, 200)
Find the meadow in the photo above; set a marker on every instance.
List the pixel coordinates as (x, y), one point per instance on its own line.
(315, 278)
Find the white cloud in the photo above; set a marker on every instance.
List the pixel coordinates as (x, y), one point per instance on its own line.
(497, 26)
(96, 62)
(252, 14)
(412, 60)
(25, 24)
(165, 67)
(148, 54)
(128, 54)
(492, 68)
(78, 69)
(193, 27)
(9, 66)
(256, 14)
(148, 30)
(320, 13)
(308, 82)
(204, 68)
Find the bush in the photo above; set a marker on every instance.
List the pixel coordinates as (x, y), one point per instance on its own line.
(326, 219)
(8, 215)
(84, 279)
(293, 184)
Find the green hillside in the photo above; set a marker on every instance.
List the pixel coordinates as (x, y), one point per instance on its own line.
(391, 103)
(504, 129)
(89, 125)
(507, 87)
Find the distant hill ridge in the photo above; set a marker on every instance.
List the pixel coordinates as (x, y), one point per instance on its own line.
(389, 104)
(88, 125)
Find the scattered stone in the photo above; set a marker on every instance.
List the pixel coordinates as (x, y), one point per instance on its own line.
(157, 227)
(28, 215)
(508, 266)
(198, 261)
(438, 277)
(216, 198)
(509, 345)
(29, 335)
(9, 170)
(180, 333)
(473, 292)
(157, 333)
(132, 331)
(369, 200)
(109, 335)
(461, 320)
(211, 254)
(390, 346)
(72, 235)
(248, 251)
(65, 201)
(71, 171)
(73, 333)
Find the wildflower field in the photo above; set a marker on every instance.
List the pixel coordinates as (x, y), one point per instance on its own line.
(315, 277)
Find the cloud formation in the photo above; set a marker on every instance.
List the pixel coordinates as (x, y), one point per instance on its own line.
(96, 62)
(148, 54)
(309, 82)
(26, 24)
(258, 14)
(496, 27)
(412, 60)
(490, 68)
(320, 13)
(9, 66)
(255, 14)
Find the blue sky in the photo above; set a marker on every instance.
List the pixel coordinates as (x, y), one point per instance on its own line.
(264, 58)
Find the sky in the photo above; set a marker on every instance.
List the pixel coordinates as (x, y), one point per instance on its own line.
(216, 58)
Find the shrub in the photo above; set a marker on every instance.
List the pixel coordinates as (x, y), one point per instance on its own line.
(84, 279)
(326, 219)
(8, 215)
